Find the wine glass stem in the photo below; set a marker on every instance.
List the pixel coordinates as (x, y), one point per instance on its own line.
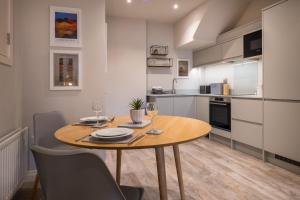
(97, 116)
(152, 122)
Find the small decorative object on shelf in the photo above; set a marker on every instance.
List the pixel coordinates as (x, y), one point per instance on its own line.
(158, 50)
(137, 111)
(160, 62)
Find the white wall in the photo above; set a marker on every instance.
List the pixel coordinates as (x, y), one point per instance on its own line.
(163, 34)
(186, 27)
(253, 11)
(126, 72)
(10, 97)
(32, 42)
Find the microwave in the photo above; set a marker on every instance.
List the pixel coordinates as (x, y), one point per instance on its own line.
(253, 44)
(216, 88)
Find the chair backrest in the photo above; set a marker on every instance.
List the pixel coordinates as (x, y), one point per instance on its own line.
(45, 125)
(74, 174)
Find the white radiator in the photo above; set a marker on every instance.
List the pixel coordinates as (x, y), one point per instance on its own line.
(13, 162)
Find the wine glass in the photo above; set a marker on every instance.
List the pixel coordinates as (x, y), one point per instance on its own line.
(152, 112)
(97, 108)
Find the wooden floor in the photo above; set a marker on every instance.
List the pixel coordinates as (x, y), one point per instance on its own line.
(211, 171)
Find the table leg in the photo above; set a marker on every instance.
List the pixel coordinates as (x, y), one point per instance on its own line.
(118, 172)
(35, 187)
(179, 171)
(161, 173)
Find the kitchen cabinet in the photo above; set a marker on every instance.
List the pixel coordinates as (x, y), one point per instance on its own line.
(281, 47)
(165, 105)
(246, 121)
(232, 49)
(247, 133)
(247, 110)
(281, 128)
(202, 108)
(184, 106)
(6, 47)
(207, 56)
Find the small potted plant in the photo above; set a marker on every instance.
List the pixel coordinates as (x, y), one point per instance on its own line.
(137, 112)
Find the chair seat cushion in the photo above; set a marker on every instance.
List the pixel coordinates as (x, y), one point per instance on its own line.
(132, 193)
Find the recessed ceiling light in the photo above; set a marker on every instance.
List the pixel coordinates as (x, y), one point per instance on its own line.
(175, 6)
(129, 1)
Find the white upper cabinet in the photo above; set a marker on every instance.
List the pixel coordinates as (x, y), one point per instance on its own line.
(232, 49)
(6, 32)
(207, 56)
(217, 53)
(281, 47)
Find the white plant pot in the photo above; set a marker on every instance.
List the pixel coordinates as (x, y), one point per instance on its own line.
(137, 116)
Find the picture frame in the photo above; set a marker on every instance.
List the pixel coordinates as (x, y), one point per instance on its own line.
(65, 70)
(183, 68)
(65, 27)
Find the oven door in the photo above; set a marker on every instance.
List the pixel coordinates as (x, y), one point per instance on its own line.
(220, 115)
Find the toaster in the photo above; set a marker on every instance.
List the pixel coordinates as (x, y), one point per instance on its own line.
(204, 89)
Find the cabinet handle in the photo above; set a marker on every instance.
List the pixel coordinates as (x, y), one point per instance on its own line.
(220, 104)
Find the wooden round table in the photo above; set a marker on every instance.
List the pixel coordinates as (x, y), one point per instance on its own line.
(176, 130)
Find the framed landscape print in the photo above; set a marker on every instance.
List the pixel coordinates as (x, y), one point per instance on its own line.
(65, 70)
(183, 68)
(65, 27)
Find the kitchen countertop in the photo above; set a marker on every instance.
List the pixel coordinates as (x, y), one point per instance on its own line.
(196, 93)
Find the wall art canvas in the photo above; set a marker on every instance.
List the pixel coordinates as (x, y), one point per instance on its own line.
(183, 68)
(65, 70)
(65, 27)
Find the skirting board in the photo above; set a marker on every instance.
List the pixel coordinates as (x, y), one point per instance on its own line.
(269, 157)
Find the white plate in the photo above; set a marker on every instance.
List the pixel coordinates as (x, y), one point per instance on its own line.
(112, 133)
(94, 118)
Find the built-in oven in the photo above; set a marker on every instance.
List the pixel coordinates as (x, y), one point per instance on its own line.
(220, 113)
(253, 44)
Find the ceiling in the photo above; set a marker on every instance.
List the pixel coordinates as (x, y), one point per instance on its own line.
(152, 10)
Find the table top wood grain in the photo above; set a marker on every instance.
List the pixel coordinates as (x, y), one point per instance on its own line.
(176, 130)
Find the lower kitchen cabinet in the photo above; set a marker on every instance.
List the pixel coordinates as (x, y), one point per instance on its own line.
(184, 106)
(202, 108)
(247, 133)
(165, 105)
(179, 106)
(281, 128)
(247, 109)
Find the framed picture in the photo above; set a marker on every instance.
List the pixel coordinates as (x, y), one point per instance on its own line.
(183, 68)
(65, 27)
(65, 70)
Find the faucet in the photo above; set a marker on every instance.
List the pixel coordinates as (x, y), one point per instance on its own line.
(173, 85)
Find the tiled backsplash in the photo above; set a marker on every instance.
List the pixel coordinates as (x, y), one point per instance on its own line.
(243, 77)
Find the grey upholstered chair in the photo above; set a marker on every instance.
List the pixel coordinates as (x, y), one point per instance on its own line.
(78, 174)
(44, 127)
